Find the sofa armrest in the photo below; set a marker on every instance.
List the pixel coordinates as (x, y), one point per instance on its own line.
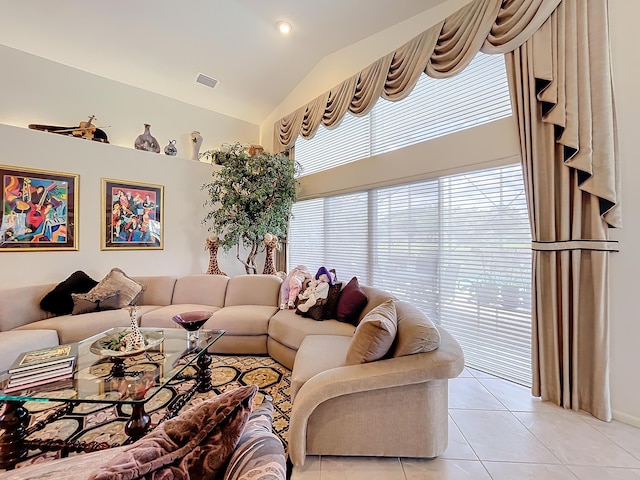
(444, 363)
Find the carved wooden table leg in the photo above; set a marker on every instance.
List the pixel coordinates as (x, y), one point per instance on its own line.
(204, 374)
(13, 423)
(138, 423)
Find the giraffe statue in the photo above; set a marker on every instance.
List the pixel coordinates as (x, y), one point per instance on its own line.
(135, 339)
(270, 244)
(212, 244)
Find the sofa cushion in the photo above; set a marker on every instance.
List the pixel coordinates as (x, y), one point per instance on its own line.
(416, 333)
(59, 301)
(243, 319)
(316, 354)
(201, 289)
(158, 289)
(374, 335)
(352, 301)
(75, 328)
(290, 329)
(118, 281)
(86, 303)
(196, 444)
(259, 453)
(253, 290)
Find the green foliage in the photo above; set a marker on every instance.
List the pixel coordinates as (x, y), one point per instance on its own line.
(248, 197)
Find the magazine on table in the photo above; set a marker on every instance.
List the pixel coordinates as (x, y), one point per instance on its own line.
(64, 381)
(44, 357)
(37, 375)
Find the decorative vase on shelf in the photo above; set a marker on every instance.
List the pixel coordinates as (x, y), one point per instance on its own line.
(171, 149)
(196, 143)
(146, 141)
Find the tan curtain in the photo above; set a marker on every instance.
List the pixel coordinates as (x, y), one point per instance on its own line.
(564, 110)
(560, 80)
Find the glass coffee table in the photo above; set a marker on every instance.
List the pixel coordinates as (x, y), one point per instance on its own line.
(115, 380)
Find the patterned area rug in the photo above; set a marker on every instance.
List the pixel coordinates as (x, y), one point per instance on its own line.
(105, 423)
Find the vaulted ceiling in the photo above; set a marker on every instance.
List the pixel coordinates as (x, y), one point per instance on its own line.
(162, 45)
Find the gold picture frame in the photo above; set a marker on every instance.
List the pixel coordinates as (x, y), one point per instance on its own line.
(39, 210)
(132, 215)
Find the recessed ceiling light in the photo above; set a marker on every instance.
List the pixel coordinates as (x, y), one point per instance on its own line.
(284, 27)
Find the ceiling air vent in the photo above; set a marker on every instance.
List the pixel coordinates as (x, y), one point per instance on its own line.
(206, 80)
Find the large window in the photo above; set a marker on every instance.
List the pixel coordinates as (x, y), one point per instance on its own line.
(435, 107)
(458, 247)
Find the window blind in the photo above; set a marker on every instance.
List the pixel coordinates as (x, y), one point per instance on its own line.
(457, 247)
(435, 107)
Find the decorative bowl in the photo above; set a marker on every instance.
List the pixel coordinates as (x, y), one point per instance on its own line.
(101, 346)
(192, 320)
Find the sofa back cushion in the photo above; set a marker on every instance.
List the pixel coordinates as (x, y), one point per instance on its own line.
(253, 290)
(416, 333)
(200, 290)
(158, 290)
(375, 297)
(20, 306)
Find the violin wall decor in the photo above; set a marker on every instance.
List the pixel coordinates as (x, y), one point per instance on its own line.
(84, 130)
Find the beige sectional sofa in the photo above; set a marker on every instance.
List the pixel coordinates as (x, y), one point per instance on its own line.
(391, 407)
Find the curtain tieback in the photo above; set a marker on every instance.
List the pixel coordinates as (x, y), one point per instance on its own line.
(601, 245)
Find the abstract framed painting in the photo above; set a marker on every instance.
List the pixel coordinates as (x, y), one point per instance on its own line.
(132, 215)
(39, 210)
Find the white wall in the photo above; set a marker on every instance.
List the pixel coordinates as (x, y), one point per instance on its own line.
(35, 90)
(625, 265)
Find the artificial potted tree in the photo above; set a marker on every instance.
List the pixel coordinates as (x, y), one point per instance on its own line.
(250, 195)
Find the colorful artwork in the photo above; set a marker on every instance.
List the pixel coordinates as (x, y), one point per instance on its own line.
(38, 209)
(133, 215)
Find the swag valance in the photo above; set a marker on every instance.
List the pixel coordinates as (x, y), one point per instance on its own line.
(495, 27)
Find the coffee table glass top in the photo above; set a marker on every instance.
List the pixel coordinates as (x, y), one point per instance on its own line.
(122, 380)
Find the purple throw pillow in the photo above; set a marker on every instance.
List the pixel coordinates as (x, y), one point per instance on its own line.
(352, 302)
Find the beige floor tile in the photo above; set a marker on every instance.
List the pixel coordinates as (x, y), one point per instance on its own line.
(517, 398)
(469, 393)
(466, 373)
(627, 436)
(360, 468)
(527, 471)
(458, 447)
(500, 437)
(479, 374)
(309, 471)
(575, 442)
(605, 473)
(442, 469)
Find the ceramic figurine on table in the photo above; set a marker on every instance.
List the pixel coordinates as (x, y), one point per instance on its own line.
(146, 141)
(134, 340)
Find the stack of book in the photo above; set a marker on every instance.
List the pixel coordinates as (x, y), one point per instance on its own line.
(40, 367)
